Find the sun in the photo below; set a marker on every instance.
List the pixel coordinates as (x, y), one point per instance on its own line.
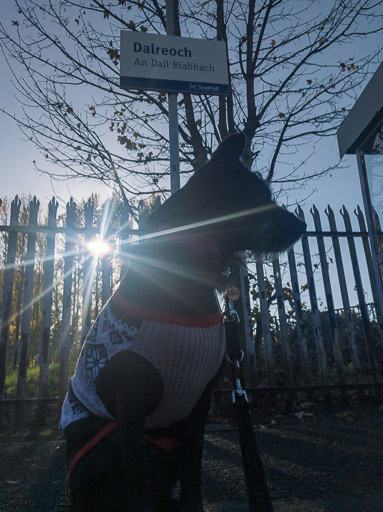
(98, 247)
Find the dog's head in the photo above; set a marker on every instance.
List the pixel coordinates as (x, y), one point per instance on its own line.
(227, 202)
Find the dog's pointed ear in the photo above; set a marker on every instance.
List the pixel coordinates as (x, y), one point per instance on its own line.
(230, 149)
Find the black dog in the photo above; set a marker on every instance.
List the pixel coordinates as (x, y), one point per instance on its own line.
(136, 408)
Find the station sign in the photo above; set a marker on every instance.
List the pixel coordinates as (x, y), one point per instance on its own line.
(173, 64)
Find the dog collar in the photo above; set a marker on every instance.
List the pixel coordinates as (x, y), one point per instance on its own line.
(141, 312)
(203, 245)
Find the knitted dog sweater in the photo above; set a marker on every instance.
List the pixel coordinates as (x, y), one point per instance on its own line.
(187, 357)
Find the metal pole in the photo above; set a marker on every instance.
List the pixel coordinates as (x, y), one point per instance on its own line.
(173, 109)
(370, 225)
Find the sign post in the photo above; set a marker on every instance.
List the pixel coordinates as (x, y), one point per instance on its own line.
(174, 148)
(174, 65)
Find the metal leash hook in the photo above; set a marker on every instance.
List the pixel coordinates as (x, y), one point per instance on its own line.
(231, 316)
(236, 369)
(238, 391)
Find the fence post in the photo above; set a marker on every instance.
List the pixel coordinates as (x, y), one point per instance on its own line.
(88, 274)
(27, 298)
(367, 252)
(318, 334)
(305, 360)
(106, 271)
(244, 302)
(19, 296)
(6, 306)
(360, 293)
(48, 269)
(344, 293)
(265, 321)
(124, 235)
(286, 348)
(337, 351)
(64, 349)
(27, 309)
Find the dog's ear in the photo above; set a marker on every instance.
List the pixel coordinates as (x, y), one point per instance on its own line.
(185, 205)
(230, 149)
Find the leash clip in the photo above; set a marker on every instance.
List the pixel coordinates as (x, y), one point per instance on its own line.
(231, 315)
(238, 391)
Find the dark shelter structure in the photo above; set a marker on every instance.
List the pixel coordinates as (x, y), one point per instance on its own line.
(361, 134)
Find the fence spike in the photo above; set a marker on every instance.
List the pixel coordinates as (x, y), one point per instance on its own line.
(329, 212)
(52, 207)
(314, 211)
(299, 212)
(16, 204)
(344, 212)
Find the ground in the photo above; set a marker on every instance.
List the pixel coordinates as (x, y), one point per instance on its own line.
(315, 462)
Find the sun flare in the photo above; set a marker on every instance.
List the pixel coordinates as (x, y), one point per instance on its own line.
(98, 247)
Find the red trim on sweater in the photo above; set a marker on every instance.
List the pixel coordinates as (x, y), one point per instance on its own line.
(166, 443)
(168, 318)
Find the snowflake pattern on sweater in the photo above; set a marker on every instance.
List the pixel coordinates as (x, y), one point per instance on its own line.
(107, 336)
(186, 357)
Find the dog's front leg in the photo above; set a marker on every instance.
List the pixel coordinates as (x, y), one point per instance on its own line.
(192, 436)
(135, 491)
(191, 456)
(131, 388)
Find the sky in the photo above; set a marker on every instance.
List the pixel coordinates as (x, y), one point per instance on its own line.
(19, 177)
(17, 174)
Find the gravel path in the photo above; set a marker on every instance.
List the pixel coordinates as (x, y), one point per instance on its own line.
(333, 464)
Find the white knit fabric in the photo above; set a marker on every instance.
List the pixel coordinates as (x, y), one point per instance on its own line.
(186, 357)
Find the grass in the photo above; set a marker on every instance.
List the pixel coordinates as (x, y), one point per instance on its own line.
(33, 381)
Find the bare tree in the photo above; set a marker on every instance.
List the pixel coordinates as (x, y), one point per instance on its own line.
(295, 68)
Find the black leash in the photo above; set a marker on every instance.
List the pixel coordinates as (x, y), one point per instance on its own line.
(257, 490)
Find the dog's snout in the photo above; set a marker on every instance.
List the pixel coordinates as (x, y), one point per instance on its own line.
(302, 226)
(297, 227)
